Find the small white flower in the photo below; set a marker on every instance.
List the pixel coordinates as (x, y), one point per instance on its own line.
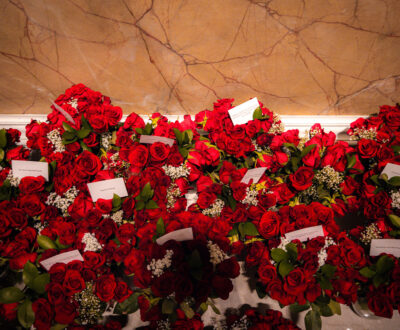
(157, 266)
(55, 138)
(215, 209)
(63, 202)
(251, 197)
(14, 181)
(176, 172)
(91, 243)
(216, 254)
(395, 199)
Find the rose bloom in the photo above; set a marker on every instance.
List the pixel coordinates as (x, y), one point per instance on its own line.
(105, 287)
(302, 178)
(269, 225)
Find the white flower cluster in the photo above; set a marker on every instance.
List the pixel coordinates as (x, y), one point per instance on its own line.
(363, 133)
(163, 325)
(242, 324)
(395, 196)
(14, 181)
(283, 243)
(370, 232)
(62, 203)
(173, 193)
(216, 254)
(91, 243)
(276, 127)
(215, 209)
(251, 197)
(55, 138)
(73, 103)
(256, 146)
(39, 226)
(176, 172)
(106, 140)
(157, 266)
(322, 254)
(328, 176)
(117, 217)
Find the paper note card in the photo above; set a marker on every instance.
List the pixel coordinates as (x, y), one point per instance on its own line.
(23, 168)
(385, 245)
(244, 112)
(65, 113)
(153, 139)
(63, 258)
(305, 234)
(391, 170)
(255, 174)
(107, 188)
(177, 235)
(191, 198)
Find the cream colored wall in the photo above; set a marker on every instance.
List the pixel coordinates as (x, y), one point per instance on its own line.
(304, 57)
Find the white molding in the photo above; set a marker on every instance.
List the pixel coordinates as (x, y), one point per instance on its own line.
(336, 124)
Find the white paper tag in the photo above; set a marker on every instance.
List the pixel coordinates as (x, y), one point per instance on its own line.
(153, 139)
(179, 235)
(191, 198)
(391, 170)
(65, 113)
(107, 188)
(385, 245)
(63, 258)
(243, 112)
(305, 234)
(23, 168)
(255, 174)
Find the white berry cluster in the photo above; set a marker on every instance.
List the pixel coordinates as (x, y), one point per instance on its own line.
(173, 193)
(215, 209)
(63, 202)
(163, 325)
(395, 199)
(216, 254)
(117, 217)
(322, 254)
(105, 140)
(328, 176)
(256, 146)
(157, 266)
(55, 138)
(251, 197)
(363, 133)
(370, 232)
(73, 103)
(14, 181)
(91, 243)
(176, 172)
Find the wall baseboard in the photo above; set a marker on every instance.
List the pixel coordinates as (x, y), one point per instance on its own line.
(336, 124)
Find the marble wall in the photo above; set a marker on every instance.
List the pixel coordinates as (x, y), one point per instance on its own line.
(315, 57)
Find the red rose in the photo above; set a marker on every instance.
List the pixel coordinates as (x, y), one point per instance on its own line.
(295, 282)
(73, 282)
(17, 218)
(380, 304)
(66, 313)
(87, 164)
(80, 207)
(91, 140)
(98, 122)
(18, 153)
(133, 121)
(302, 179)
(32, 204)
(162, 286)
(126, 233)
(93, 260)
(229, 268)
(8, 312)
(122, 291)
(57, 272)
(159, 151)
(55, 293)
(256, 253)
(113, 114)
(30, 184)
(266, 273)
(206, 199)
(43, 313)
(222, 286)
(352, 254)
(138, 156)
(367, 148)
(283, 193)
(269, 224)
(183, 288)
(392, 118)
(105, 287)
(104, 205)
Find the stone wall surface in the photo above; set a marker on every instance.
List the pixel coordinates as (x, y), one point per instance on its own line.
(308, 57)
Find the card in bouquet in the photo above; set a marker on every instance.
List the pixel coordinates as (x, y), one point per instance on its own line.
(243, 112)
(385, 245)
(63, 258)
(106, 189)
(179, 235)
(23, 168)
(150, 139)
(305, 234)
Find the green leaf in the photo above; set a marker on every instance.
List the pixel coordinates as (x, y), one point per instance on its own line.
(84, 146)
(367, 272)
(395, 220)
(214, 308)
(147, 193)
(183, 151)
(291, 249)
(257, 114)
(325, 283)
(351, 160)
(25, 313)
(179, 136)
(394, 181)
(10, 295)
(384, 264)
(3, 138)
(116, 202)
(30, 273)
(59, 326)
(285, 268)
(160, 227)
(1, 154)
(247, 229)
(378, 280)
(328, 270)
(374, 179)
(187, 310)
(139, 205)
(296, 308)
(151, 205)
(188, 136)
(83, 132)
(325, 310)
(59, 245)
(312, 320)
(45, 242)
(40, 282)
(278, 255)
(195, 260)
(168, 306)
(307, 149)
(139, 130)
(335, 307)
(129, 305)
(148, 129)
(84, 122)
(68, 128)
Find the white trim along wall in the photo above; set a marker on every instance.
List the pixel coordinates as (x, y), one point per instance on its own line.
(336, 124)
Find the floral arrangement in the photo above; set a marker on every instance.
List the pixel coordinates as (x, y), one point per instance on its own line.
(196, 173)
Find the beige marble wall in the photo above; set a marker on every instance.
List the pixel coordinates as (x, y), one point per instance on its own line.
(322, 57)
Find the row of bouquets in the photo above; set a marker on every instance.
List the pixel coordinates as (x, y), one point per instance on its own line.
(100, 217)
